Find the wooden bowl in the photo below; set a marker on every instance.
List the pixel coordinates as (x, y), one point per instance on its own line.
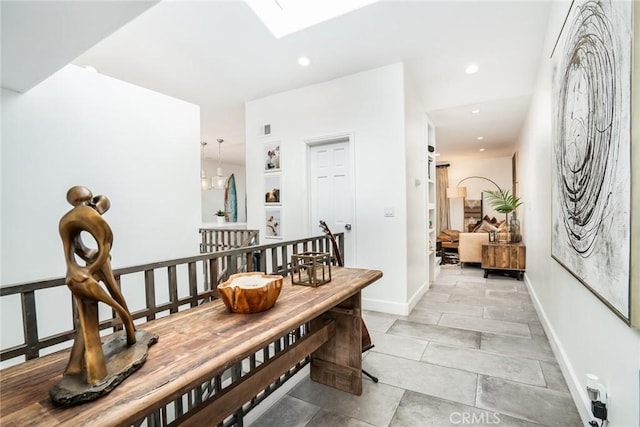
(250, 292)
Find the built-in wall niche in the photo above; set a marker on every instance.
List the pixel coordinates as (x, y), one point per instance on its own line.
(272, 190)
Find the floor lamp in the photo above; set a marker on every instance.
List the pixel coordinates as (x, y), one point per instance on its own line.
(461, 192)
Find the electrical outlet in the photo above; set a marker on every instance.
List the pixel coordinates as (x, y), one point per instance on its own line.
(599, 410)
(599, 398)
(389, 212)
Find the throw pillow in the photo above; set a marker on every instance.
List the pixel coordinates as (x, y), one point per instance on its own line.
(485, 227)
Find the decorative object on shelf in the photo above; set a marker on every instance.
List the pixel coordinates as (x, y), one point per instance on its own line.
(311, 268)
(250, 292)
(205, 183)
(505, 202)
(219, 181)
(220, 216)
(492, 236)
(231, 199)
(593, 221)
(95, 368)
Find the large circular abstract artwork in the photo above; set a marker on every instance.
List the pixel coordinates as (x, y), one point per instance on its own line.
(591, 151)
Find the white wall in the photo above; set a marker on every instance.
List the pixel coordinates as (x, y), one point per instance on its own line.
(369, 105)
(213, 200)
(497, 169)
(416, 166)
(139, 148)
(586, 336)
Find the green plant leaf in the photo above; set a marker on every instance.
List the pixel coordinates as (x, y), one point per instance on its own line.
(502, 201)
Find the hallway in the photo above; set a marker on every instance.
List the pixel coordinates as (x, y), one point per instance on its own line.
(472, 352)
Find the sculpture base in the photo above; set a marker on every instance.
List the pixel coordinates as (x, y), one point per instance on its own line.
(122, 361)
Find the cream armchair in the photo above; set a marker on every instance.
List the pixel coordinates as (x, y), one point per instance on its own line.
(470, 246)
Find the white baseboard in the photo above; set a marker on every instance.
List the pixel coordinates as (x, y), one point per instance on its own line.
(401, 309)
(416, 297)
(583, 404)
(385, 306)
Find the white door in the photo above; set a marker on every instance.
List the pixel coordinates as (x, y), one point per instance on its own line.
(331, 191)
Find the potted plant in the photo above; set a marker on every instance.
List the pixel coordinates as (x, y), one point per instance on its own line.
(505, 202)
(220, 214)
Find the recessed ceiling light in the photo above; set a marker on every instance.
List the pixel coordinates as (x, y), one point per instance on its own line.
(304, 61)
(476, 111)
(471, 69)
(480, 138)
(482, 149)
(91, 68)
(437, 154)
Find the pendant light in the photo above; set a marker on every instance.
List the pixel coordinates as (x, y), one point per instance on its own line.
(219, 181)
(205, 183)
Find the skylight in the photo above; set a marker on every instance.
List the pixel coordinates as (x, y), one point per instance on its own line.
(283, 17)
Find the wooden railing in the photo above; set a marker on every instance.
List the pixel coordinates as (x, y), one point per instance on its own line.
(215, 240)
(166, 287)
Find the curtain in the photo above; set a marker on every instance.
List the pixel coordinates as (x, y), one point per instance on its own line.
(442, 182)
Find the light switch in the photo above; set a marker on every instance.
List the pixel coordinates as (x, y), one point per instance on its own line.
(388, 211)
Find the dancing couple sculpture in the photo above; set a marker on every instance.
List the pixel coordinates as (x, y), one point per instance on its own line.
(94, 368)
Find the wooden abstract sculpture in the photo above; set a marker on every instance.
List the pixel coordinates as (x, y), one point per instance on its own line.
(92, 370)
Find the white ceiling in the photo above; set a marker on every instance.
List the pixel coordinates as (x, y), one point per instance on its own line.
(40, 37)
(218, 54)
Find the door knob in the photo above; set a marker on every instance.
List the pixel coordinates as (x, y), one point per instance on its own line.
(347, 227)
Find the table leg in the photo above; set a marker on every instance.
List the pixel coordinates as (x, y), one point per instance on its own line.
(338, 363)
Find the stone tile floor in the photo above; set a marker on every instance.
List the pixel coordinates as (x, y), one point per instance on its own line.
(472, 352)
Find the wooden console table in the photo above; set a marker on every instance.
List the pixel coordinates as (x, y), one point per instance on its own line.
(199, 343)
(504, 257)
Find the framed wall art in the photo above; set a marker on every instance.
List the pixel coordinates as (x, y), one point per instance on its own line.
(272, 189)
(271, 157)
(591, 150)
(273, 223)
